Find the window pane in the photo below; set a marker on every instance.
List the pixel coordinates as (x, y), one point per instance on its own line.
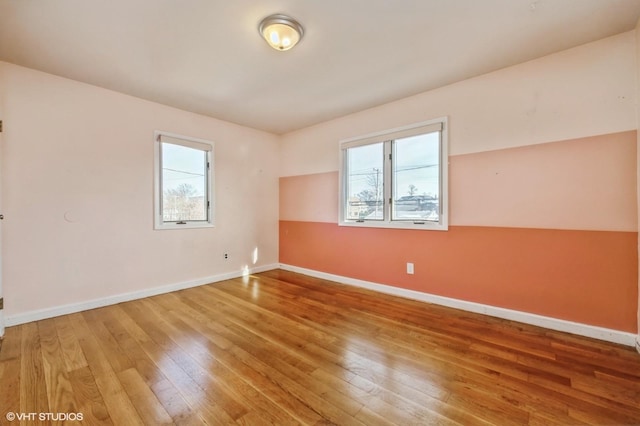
(416, 178)
(184, 183)
(365, 183)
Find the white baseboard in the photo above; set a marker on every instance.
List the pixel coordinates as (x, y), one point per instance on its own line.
(125, 297)
(615, 336)
(621, 337)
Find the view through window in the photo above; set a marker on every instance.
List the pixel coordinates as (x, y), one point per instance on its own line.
(184, 183)
(396, 179)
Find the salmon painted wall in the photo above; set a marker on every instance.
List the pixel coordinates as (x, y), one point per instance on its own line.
(542, 184)
(78, 195)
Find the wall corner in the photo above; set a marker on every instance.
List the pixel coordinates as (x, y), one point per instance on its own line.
(638, 162)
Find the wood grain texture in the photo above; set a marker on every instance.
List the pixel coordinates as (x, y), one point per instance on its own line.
(283, 348)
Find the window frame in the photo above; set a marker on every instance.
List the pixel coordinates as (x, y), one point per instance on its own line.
(386, 137)
(161, 137)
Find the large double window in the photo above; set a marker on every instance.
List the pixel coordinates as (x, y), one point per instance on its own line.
(396, 178)
(184, 190)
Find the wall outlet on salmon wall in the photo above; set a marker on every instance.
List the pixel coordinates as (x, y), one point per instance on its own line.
(409, 268)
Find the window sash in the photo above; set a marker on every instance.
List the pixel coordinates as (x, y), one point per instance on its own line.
(371, 172)
(396, 197)
(390, 218)
(189, 143)
(397, 133)
(206, 148)
(204, 181)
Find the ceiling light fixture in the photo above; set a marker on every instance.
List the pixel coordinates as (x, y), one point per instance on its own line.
(281, 31)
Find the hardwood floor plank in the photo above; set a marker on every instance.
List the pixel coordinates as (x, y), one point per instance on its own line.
(226, 368)
(206, 410)
(144, 400)
(119, 406)
(88, 397)
(10, 366)
(210, 374)
(250, 359)
(373, 418)
(11, 343)
(71, 350)
(59, 391)
(354, 367)
(426, 411)
(201, 388)
(545, 398)
(287, 349)
(115, 355)
(564, 380)
(367, 367)
(163, 389)
(33, 386)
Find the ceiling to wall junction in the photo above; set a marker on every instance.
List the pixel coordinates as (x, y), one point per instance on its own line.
(206, 56)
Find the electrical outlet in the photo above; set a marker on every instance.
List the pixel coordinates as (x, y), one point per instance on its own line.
(409, 268)
(226, 256)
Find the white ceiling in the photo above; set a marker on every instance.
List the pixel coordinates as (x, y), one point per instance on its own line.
(206, 56)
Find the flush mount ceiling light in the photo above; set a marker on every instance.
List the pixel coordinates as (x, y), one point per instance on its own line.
(281, 31)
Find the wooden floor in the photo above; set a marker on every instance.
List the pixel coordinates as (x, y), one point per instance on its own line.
(281, 348)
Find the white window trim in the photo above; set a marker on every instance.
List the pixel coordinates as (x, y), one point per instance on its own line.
(386, 135)
(196, 143)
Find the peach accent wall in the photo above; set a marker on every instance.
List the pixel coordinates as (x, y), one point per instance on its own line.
(309, 198)
(549, 229)
(589, 277)
(78, 195)
(586, 183)
(506, 176)
(585, 91)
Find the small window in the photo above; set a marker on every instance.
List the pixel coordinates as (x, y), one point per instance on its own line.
(396, 179)
(183, 182)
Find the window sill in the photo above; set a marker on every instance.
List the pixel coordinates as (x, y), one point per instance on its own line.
(426, 226)
(188, 225)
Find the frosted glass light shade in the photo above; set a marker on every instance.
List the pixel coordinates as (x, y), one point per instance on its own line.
(280, 31)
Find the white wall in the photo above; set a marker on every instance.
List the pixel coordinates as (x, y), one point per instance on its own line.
(561, 96)
(78, 167)
(78, 195)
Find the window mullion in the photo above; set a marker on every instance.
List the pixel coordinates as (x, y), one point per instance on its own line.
(387, 180)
